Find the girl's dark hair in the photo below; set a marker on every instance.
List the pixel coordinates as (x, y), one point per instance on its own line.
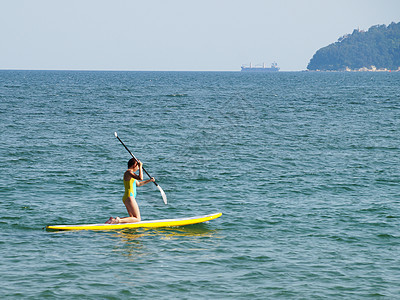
(132, 162)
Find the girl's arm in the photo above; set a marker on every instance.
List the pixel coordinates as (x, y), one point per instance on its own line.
(140, 183)
(140, 176)
(140, 170)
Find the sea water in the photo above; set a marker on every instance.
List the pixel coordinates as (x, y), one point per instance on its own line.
(305, 168)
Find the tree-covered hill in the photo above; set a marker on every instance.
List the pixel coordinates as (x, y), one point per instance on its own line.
(378, 47)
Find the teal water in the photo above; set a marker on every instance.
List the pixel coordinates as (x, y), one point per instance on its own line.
(304, 166)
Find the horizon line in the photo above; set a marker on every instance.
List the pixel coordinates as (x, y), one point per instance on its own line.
(130, 70)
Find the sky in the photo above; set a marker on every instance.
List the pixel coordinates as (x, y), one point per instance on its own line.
(178, 35)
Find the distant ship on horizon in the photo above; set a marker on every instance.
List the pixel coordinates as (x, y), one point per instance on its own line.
(274, 68)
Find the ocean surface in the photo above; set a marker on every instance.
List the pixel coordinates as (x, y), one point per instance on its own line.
(305, 168)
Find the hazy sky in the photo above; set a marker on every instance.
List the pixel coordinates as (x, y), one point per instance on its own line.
(177, 34)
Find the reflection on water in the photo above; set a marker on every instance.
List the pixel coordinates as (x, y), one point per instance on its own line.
(136, 243)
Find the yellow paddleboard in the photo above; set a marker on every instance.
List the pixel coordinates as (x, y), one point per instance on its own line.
(141, 224)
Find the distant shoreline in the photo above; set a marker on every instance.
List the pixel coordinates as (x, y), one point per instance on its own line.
(361, 70)
(374, 50)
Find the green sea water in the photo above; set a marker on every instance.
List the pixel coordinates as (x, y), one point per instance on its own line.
(305, 168)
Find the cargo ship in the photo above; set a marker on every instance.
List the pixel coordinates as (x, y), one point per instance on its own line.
(274, 68)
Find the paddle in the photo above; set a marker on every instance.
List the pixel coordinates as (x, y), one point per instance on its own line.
(159, 187)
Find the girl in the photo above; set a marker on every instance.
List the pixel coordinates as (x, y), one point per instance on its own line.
(131, 181)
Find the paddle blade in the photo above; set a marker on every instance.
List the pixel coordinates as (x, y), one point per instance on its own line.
(164, 197)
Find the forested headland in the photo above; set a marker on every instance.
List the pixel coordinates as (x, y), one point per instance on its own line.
(372, 50)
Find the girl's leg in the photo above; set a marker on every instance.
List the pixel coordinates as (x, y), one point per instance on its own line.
(110, 220)
(133, 211)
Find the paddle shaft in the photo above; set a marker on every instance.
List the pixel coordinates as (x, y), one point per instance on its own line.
(133, 156)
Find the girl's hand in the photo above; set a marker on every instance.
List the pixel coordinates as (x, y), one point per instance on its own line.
(140, 164)
(152, 179)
